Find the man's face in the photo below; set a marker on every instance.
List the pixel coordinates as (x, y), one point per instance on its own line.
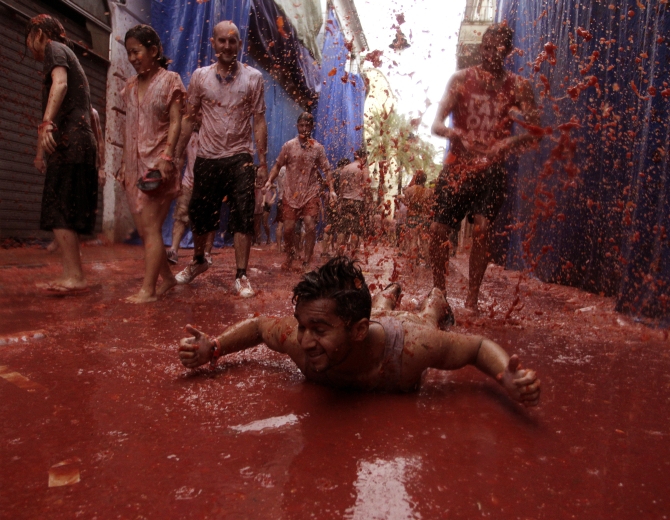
(493, 52)
(305, 128)
(226, 43)
(323, 336)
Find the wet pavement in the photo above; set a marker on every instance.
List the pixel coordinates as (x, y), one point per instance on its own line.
(98, 419)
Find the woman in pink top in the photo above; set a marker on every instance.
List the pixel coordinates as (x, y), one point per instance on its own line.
(153, 101)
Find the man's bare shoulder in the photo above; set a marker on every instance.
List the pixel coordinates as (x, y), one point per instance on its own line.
(459, 77)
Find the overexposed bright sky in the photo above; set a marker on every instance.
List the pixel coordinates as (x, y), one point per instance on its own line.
(422, 71)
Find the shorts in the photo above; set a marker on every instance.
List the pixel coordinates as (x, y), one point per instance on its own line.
(416, 221)
(311, 209)
(332, 214)
(70, 197)
(483, 194)
(266, 208)
(181, 207)
(352, 212)
(232, 178)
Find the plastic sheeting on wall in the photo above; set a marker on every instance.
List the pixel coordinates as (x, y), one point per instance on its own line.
(339, 113)
(275, 46)
(306, 18)
(591, 207)
(185, 27)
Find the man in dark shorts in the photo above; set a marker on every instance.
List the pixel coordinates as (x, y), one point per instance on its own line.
(340, 336)
(65, 136)
(354, 186)
(483, 101)
(303, 157)
(230, 96)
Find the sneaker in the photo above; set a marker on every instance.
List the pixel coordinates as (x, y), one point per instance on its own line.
(243, 287)
(208, 258)
(192, 270)
(172, 256)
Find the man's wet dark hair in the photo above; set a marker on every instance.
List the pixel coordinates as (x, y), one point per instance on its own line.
(51, 27)
(503, 34)
(341, 280)
(343, 162)
(148, 37)
(420, 178)
(361, 153)
(306, 116)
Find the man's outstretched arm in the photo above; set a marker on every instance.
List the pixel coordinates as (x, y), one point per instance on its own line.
(451, 351)
(200, 348)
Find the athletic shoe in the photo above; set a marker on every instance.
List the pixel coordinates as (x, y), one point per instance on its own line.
(243, 287)
(172, 256)
(190, 272)
(208, 258)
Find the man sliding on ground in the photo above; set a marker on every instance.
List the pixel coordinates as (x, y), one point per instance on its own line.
(341, 337)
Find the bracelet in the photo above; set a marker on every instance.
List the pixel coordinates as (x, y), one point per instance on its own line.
(45, 123)
(217, 352)
(166, 157)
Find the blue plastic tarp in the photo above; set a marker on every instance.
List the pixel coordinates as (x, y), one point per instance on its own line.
(339, 113)
(593, 209)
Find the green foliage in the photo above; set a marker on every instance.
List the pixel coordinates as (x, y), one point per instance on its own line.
(393, 144)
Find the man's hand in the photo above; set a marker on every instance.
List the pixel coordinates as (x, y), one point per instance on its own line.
(195, 351)
(39, 164)
(167, 169)
(333, 197)
(102, 177)
(522, 385)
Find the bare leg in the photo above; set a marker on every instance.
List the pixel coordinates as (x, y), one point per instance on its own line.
(387, 299)
(73, 275)
(257, 227)
(279, 231)
(439, 253)
(436, 309)
(289, 237)
(325, 244)
(178, 230)
(479, 259)
(242, 244)
(310, 238)
(210, 242)
(149, 224)
(355, 242)
(266, 227)
(199, 244)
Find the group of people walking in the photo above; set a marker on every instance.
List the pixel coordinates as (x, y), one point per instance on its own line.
(217, 125)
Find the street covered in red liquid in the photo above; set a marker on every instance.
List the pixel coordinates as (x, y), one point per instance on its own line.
(100, 420)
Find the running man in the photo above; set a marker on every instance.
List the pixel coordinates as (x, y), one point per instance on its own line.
(302, 187)
(483, 101)
(230, 96)
(341, 337)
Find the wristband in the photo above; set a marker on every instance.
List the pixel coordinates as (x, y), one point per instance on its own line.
(166, 157)
(45, 123)
(217, 352)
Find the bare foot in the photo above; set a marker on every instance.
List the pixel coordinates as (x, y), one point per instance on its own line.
(165, 286)
(64, 284)
(142, 297)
